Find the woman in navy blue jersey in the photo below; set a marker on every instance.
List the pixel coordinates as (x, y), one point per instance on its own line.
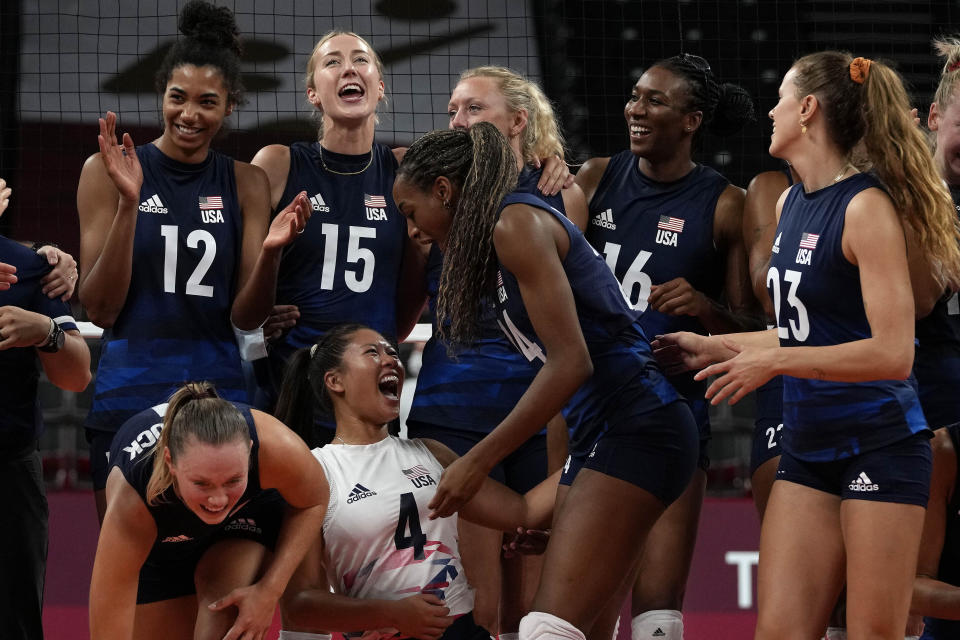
(561, 307)
(490, 375)
(853, 480)
(355, 262)
(173, 239)
(210, 508)
(671, 231)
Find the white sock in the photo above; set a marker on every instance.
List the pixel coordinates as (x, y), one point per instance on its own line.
(835, 633)
(509, 636)
(659, 624)
(616, 629)
(537, 625)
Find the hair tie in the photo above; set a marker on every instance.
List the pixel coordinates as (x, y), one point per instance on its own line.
(953, 66)
(313, 349)
(860, 69)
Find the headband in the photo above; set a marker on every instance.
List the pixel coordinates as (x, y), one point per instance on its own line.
(860, 69)
(953, 66)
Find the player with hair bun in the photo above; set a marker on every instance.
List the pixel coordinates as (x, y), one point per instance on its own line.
(174, 240)
(671, 231)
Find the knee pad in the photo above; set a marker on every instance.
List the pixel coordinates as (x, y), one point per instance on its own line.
(659, 624)
(537, 625)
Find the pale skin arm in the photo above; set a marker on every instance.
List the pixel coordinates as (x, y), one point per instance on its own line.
(873, 240)
(529, 242)
(497, 506)
(309, 606)
(760, 229)
(555, 175)
(126, 537)
(107, 205)
(68, 368)
(62, 279)
(931, 596)
(288, 466)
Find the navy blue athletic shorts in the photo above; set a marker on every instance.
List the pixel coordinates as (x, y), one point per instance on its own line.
(658, 455)
(99, 442)
(168, 572)
(768, 426)
(898, 472)
(522, 470)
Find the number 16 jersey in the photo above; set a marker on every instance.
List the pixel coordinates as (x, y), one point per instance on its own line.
(175, 322)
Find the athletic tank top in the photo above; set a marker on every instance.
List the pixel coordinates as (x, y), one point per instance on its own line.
(817, 297)
(619, 349)
(175, 322)
(936, 363)
(378, 539)
(21, 422)
(179, 530)
(345, 265)
(488, 376)
(949, 568)
(652, 232)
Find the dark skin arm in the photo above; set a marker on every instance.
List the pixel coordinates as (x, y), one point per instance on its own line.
(931, 596)
(531, 244)
(760, 229)
(588, 178)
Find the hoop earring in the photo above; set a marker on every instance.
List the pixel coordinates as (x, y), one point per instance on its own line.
(446, 204)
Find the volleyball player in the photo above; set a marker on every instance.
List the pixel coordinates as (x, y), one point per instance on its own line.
(671, 231)
(490, 375)
(355, 262)
(172, 239)
(854, 471)
(36, 332)
(390, 565)
(210, 508)
(562, 308)
(937, 368)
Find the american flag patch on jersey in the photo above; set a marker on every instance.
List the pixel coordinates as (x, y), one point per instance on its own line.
(670, 223)
(211, 202)
(416, 471)
(374, 202)
(809, 240)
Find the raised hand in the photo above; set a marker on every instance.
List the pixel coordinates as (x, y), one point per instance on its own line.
(288, 223)
(555, 176)
(121, 162)
(282, 318)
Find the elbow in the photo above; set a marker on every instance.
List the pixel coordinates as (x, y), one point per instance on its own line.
(103, 318)
(75, 381)
(582, 368)
(900, 363)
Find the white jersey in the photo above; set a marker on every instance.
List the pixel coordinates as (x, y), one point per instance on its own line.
(378, 540)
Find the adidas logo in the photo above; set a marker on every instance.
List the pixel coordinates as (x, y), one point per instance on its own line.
(605, 219)
(776, 244)
(863, 483)
(243, 524)
(180, 538)
(318, 204)
(359, 492)
(658, 633)
(152, 205)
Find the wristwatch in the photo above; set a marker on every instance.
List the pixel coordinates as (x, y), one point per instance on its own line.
(55, 338)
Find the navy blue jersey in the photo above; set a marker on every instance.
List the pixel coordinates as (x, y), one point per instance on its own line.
(949, 568)
(20, 420)
(345, 266)
(652, 232)
(488, 376)
(179, 530)
(936, 363)
(619, 349)
(175, 322)
(818, 301)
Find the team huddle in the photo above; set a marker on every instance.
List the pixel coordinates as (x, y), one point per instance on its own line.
(242, 431)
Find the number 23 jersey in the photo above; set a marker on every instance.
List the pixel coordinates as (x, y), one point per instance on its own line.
(378, 539)
(175, 322)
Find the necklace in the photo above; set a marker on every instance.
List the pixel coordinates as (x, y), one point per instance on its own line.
(843, 172)
(346, 173)
(337, 437)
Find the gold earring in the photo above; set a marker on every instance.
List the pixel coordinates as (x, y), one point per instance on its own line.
(803, 127)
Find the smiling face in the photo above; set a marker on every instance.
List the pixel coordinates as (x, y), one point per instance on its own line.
(786, 117)
(195, 103)
(478, 99)
(210, 479)
(428, 220)
(346, 83)
(657, 116)
(945, 123)
(369, 378)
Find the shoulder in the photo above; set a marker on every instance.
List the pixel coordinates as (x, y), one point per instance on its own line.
(443, 454)
(399, 153)
(271, 155)
(249, 173)
(589, 175)
(769, 183)
(870, 204)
